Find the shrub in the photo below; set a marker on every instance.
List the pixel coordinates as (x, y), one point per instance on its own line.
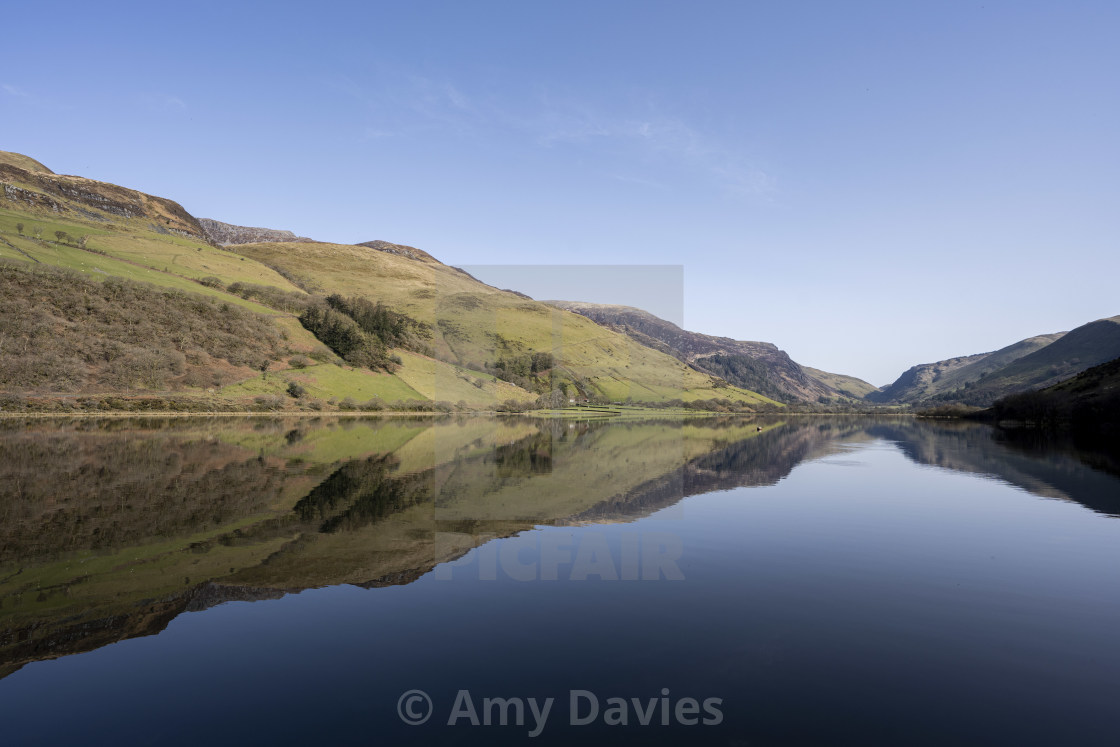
(269, 402)
(61, 331)
(295, 390)
(270, 296)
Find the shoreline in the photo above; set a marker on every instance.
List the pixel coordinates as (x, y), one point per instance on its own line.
(124, 414)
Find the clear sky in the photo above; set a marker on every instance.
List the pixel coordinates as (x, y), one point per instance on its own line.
(869, 185)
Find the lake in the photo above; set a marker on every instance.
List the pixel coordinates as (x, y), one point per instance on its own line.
(468, 580)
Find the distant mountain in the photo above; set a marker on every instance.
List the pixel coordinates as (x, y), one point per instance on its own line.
(849, 386)
(758, 366)
(227, 234)
(933, 380)
(1030, 364)
(1087, 346)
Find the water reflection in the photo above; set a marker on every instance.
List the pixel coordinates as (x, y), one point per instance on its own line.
(109, 530)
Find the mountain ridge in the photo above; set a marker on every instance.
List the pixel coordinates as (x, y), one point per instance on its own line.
(1032, 363)
(768, 368)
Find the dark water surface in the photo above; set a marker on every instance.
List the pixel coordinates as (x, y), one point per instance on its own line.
(823, 581)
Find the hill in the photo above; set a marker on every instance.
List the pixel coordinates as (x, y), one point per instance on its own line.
(485, 329)
(1080, 349)
(399, 249)
(759, 366)
(1088, 405)
(23, 162)
(945, 379)
(849, 386)
(392, 322)
(1034, 363)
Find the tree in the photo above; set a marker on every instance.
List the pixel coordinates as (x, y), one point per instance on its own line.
(542, 362)
(59, 235)
(19, 228)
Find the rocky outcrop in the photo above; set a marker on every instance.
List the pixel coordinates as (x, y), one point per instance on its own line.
(94, 200)
(400, 250)
(917, 382)
(227, 234)
(765, 368)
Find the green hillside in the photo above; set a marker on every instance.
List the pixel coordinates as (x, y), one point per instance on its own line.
(471, 344)
(1088, 405)
(849, 386)
(476, 326)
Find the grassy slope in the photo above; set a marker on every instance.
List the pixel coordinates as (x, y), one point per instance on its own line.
(23, 162)
(474, 324)
(129, 248)
(847, 385)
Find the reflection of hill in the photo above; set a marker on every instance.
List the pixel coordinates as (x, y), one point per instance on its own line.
(111, 535)
(66, 492)
(979, 449)
(750, 462)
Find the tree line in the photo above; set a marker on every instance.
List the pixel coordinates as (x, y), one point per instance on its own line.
(361, 332)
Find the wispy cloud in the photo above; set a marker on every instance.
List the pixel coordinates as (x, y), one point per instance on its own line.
(164, 102)
(11, 90)
(405, 102)
(667, 138)
(373, 133)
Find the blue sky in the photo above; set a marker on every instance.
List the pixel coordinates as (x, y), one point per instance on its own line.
(869, 185)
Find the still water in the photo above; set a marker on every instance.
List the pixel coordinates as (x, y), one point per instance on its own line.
(807, 581)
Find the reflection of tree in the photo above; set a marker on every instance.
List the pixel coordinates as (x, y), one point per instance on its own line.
(363, 492)
(531, 455)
